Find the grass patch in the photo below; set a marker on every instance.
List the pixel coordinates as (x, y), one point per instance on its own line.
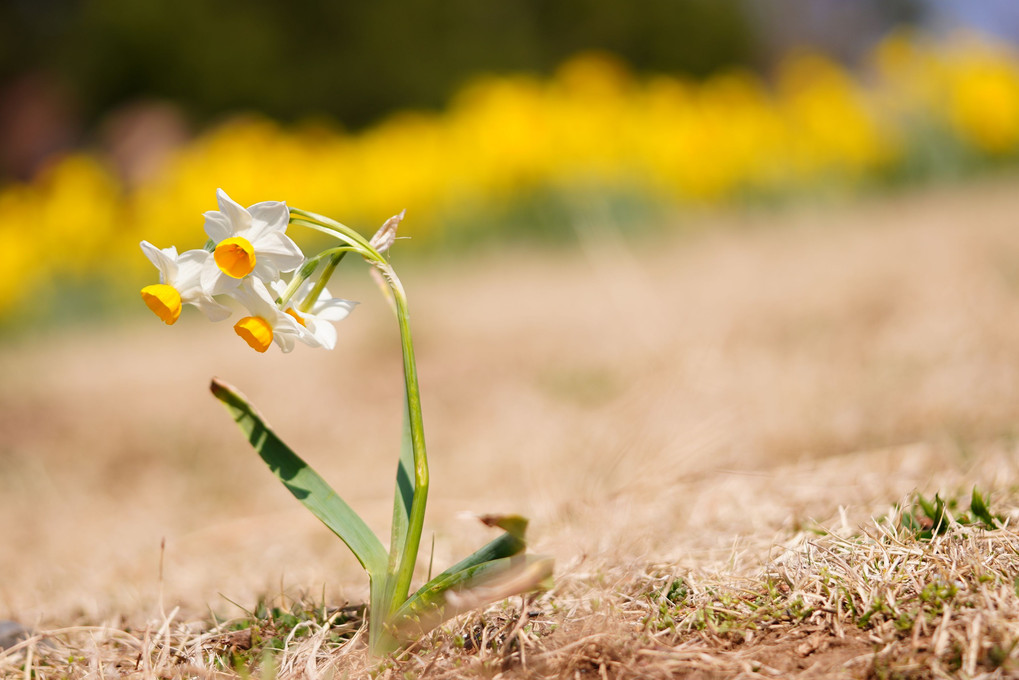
(251, 643)
(884, 601)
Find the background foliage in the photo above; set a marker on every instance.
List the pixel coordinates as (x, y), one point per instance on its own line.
(119, 119)
(354, 61)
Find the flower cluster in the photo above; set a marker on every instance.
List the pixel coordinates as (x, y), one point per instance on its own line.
(247, 252)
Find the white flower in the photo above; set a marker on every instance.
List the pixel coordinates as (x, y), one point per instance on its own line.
(318, 319)
(179, 284)
(248, 242)
(267, 322)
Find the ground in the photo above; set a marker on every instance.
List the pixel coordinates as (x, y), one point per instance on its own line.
(715, 429)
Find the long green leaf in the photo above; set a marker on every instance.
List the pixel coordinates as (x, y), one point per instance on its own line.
(302, 481)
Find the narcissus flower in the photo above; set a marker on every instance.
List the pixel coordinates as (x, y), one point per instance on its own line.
(248, 243)
(319, 316)
(266, 323)
(179, 284)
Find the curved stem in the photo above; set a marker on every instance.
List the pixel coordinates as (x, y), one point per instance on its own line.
(334, 226)
(416, 517)
(358, 244)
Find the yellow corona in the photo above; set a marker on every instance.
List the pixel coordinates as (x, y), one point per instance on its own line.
(164, 301)
(235, 257)
(255, 331)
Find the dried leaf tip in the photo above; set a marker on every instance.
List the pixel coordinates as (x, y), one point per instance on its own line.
(514, 525)
(386, 235)
(217, 386)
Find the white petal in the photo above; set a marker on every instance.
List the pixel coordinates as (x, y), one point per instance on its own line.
(190, 265)
(253, 294)
(218, 226)
(212, 309)
(286, 330)
(265, 271)
(165, 261)
(215, 282)
(310, 339)
(333, 309)
(286, 342)
(239, 218)
(278, 286)
(287, 325)
(247, 298)
(306, 333)
(281, 249)
(324, 332)
(268, 217)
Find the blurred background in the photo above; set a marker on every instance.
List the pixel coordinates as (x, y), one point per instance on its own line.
(662, 249)
(487, 122)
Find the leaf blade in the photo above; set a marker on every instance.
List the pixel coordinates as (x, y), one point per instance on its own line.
(303, 482)
(508, 545)
(476, 586)
(980, 510)
(404, 496)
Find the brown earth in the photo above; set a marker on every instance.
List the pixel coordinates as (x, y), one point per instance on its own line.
(691, 400)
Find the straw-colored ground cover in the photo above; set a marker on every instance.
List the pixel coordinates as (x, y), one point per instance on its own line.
(709, 432)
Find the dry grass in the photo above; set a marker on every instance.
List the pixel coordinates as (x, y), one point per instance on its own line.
(724, 414)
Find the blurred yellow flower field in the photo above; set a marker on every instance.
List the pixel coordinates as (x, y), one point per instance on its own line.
(594, 125)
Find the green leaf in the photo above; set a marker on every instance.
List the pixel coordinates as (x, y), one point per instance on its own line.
(383, 587)
(404, 496)
(509, 544)
(471, 588)
(380, 636)
(935, 512)
(306, 485)
(515, 525)
(979, 509)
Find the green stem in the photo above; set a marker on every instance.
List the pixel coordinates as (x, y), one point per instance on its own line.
(334, 227)
(416, 519)
(359, 245)
(320, 285)
(305, 272)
